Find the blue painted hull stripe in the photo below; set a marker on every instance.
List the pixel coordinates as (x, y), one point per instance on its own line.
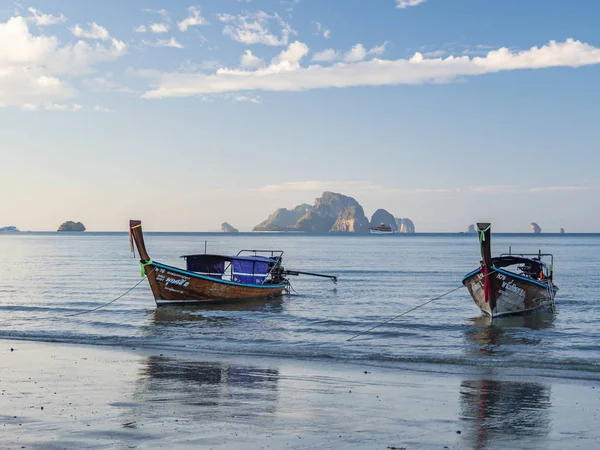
(469, 275)
(216, 280)
(511, 274)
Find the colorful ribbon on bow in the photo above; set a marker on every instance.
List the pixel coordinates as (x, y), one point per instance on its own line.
(482, 233)
(143, 266)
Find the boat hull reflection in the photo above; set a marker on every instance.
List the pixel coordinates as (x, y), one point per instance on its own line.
(504, 414)
(501, 334)
(207, 389)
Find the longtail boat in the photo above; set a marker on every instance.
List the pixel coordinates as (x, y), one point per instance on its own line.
(251, 274)
(512, 283)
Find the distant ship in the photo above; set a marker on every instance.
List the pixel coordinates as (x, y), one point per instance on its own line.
(381, 229)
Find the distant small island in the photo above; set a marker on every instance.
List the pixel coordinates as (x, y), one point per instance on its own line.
(71, 226)
(226, 228)
(9, 229)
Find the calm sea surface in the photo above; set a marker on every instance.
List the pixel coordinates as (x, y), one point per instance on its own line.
(45, 277)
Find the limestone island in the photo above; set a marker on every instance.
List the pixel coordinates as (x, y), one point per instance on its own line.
(535, 228)
(226, 228)
(71, 226)
(332, 213)
(9, 229)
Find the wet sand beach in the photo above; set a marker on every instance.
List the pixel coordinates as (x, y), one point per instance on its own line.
(79, 396)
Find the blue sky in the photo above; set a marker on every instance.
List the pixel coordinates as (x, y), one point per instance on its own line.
(190, 114)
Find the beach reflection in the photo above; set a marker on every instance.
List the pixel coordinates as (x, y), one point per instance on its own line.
(489, 336)
(175, 314)
(190, 389)
(165, 319)
(497, 411)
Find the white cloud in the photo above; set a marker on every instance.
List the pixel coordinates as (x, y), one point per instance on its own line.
(247, 98)
(376, 72)
(78, 58)
(192, 20)
(355, 186)
(253, 29)
(514, 189)
(407, 3)
(321, 30)
(31, 66)
(75, 107)
(289, 60)
(140, 29)
(159, 28)
(318, 186)
(495, 189)
(249, 61)
(100, 108)
(378, 50)
(328, 55)
(95, 32)
(563, 189)
(434, 53)
(205, 65)
(358, 53)
(164, 43)
(63, 107)
(101, 84)
(42, 20)
(161, 12)
(169, 43)
(57, 107)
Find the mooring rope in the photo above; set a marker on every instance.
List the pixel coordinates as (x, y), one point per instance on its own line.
(291, 288)
(114, 300)
(412, 309)
(405, 312)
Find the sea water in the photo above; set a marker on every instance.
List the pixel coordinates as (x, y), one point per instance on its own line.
(46, 278)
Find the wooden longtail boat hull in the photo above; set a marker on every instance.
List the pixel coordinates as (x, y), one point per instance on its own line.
(513, 294)
(498, 291)
(171, 285)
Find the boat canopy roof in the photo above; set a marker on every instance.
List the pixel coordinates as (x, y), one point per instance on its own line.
(251, 269)
(509, 260)
(207, 257)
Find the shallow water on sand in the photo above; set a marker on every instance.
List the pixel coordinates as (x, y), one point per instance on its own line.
(80, 396)
(45, 277)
